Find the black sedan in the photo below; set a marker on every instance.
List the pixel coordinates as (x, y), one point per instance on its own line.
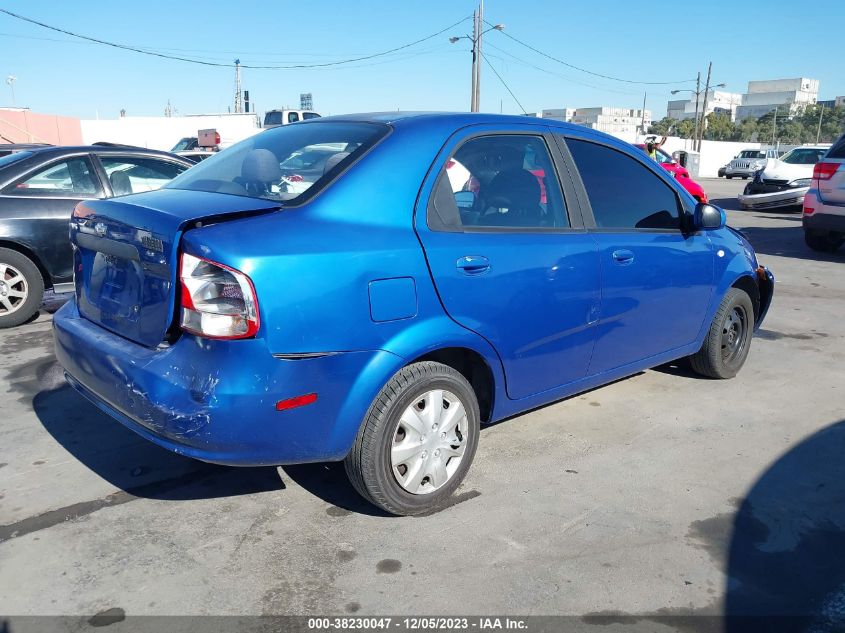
(39, 187)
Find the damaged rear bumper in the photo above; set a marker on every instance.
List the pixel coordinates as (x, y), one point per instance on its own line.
(215, 400)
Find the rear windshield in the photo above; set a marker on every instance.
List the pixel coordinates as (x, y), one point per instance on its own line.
(283, 163)
(8, 159)
(838, 149)
(801, 156)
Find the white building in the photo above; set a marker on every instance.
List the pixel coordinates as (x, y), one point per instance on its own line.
(718, 101)
(613, 120)
(559, 114)
(788, 95)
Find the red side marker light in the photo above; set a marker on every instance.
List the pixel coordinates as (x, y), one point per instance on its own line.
(297, 401)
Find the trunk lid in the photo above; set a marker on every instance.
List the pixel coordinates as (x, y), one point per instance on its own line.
(126, 255)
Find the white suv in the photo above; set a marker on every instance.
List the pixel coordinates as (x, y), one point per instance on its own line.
(824, 203)
(747, 162)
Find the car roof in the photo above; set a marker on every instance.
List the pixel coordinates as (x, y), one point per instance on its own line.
(100, 149)
(459, 119)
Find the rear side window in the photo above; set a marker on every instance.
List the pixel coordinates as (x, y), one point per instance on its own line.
(310, 115)
(501, 181)
(277, 164)
(134, 174)
(70, 178)
(623, 193)
(838, 149)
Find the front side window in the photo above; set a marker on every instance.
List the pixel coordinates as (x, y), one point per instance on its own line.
(293, 117)
(623, 193)
(283, 163)
(499, 181)
(71, 178)
(134, 174)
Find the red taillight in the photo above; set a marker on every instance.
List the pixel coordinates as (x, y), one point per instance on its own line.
(295, 178)
(809, 210)
(298, 401)
(217, 301)
(825, 171)
(217, 138)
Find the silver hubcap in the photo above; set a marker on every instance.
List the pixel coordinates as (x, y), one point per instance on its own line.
(429, 442)
(13, 289)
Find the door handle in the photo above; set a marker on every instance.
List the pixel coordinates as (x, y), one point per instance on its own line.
(473, 264)
(623, 256)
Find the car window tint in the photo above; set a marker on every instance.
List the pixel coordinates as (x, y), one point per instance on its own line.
(505, 181)
(623, 193)
(71, 178)
(273, 118)
(293, 117)
(134, 174)
(310, 115)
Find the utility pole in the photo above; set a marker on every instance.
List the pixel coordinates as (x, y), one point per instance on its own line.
(774, 126)
(642, 125)
(704, 108)
(478, 31)
(819, 130)
(697, 94)
(238, 98)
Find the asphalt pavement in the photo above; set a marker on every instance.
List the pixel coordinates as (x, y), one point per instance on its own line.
(658, 496)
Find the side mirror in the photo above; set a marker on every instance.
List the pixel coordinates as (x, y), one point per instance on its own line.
(708, 217)
(465, 199)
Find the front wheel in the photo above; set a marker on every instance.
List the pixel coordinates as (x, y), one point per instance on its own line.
(417, 441)
(728, 177)
(727, 343)
(21, 288)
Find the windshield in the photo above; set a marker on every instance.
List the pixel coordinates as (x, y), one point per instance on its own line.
(803, 156)
(273, 118)
(184, 144)
(751, 154)
(8, 159)
(283, 163)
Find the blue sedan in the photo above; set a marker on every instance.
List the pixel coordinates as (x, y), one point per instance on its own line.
(373, 288)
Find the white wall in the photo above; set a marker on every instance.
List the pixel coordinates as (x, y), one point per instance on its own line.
(164, 132)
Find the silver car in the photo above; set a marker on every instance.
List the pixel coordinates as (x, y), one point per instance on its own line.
(748, 162)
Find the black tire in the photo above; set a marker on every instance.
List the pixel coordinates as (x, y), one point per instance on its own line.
(723, 353)
(14, 309)
(823, 241)
(728, 177)
(745, 177)
(368, 464)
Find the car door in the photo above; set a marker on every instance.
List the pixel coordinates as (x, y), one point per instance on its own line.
(43, 200)
(509, 256)
(657, 278)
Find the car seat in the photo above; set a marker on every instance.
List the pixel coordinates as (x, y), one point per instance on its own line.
(514, 197)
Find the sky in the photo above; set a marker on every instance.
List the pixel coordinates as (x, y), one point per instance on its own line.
(629, 40)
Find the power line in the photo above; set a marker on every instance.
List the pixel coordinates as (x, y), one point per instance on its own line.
(493, 68)
(589, 72)
(556, 74)
(225, 65)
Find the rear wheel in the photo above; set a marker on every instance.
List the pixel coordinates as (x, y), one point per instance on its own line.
(418, 440)
(727, 343)
(823, 241)
(21, 288)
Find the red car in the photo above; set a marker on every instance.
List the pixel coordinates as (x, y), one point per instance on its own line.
(679, 172)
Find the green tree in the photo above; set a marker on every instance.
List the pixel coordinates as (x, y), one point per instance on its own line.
(719, 127)
(663, 126)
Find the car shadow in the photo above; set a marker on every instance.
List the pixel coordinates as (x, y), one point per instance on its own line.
(328, 481)
(786, 241)
(786, 542)
(132, 463)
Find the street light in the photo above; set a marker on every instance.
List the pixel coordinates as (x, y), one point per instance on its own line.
(477, 23)
(10, 80)
(697, 92)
